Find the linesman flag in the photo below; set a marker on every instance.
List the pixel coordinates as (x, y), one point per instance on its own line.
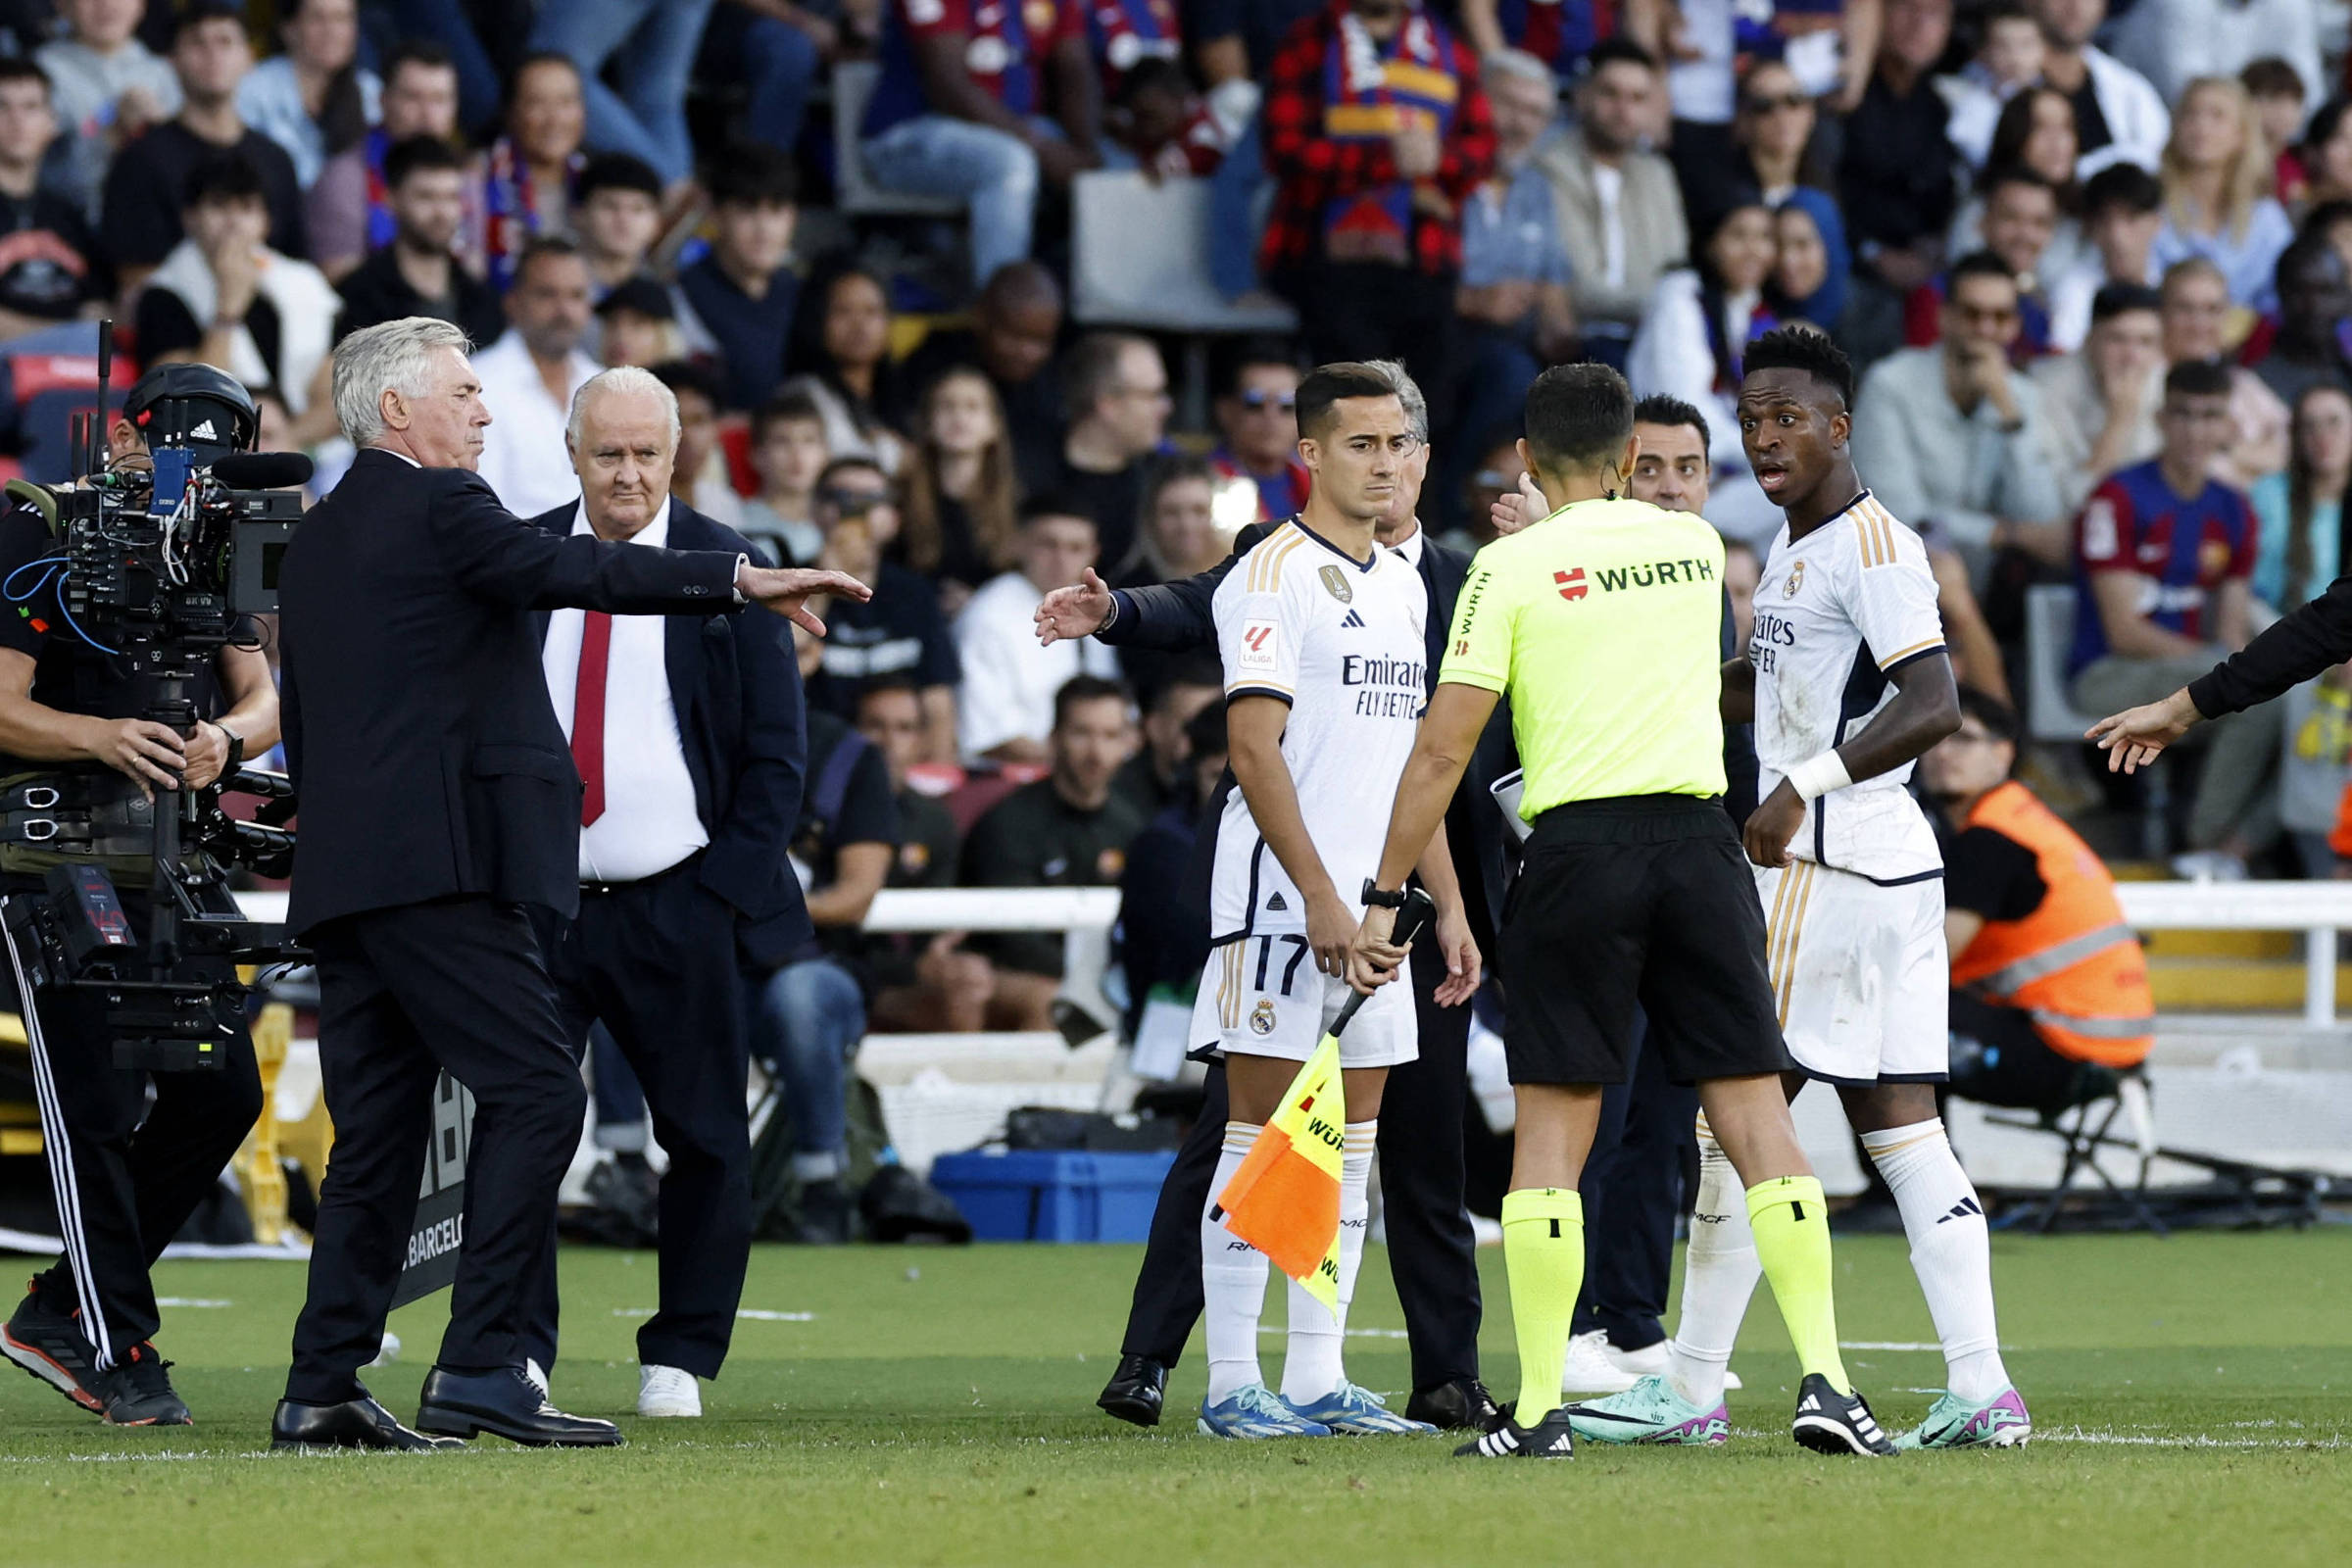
(1284, 1200)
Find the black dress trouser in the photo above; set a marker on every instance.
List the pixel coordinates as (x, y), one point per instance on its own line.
(405, 992)
(1633, 1194)
(655, 963)
(126, 1177)
(1433, 1253)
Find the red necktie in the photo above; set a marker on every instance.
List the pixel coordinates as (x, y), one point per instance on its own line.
(588, 713)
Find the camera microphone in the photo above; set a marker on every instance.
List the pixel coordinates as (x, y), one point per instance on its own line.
(262, 470)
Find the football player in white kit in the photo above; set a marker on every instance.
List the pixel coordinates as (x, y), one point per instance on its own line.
(1848, 683)
(1320, 633)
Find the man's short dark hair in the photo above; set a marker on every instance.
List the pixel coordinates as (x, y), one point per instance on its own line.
(2014, 175)
(828, 475)
(1617, 52)
(196, 13)
(539, 247)
(1092, 371)
(1327, 385)
(1205, 731)
(888, 685)
(2117, 298)
(2126, 185)
(430, 53)
(1086, 689)
(1047, 503)
(15, 67)
(1659, 409)
(1801, 348)
(2272, 78)
(1247, 354)
(693, 376)
(2325, 216)
(1998, 717)
(1191, 670)
(1577, 414)
(2197, 378)
(229, 176)
(617, 171)
(752, 175)
(1978, 263)
(784, 408)
(419, 155)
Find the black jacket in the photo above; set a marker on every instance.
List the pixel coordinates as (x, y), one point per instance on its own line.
(417, 728)
(737, 692)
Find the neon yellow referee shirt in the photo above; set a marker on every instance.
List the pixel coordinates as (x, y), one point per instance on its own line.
(1603, 623)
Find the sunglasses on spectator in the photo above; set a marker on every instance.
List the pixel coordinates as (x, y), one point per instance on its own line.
(1257, 402)
(1787, 100)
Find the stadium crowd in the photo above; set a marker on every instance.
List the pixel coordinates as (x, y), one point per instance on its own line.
(2096, 268)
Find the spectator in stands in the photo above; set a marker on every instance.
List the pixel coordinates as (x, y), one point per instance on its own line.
(146, 187)
(810, 1010)
(2326, 155)
(2173, 42)
(2123, 210)
(527, 174)
(789, 454)
(1178, 537)
(1376, 133)
(50, 267)
(1164, 943)
(2301, 508)
(1121, 34)
(1952, 443)
(1895, 178)
(1692, 341)
(1118, 405)
(2010, 51)
(418, 273)
(1620, 209)
(958, 113)
(2019, 223)
(899, 632)
(2119, 117)
(1811, 268)
(778, 49)
(1007, 702)
(223, 297)
(1773, 152)
(637, 323)
(698, 475)
(2098, 406)
(616, 208)
(1157, 776)
(838, 355)
(348, 212)
(531, 375)
(1068, 829)
(890, 713)
(2164, 560)
(2279, 101)
(2047, 976)
(109, 86)
(2314, 286)
(1160, 124)
(962, 497)
(2217, 183)
(1256, 410)
(316, 100)
(2036, 134)
(2196, 322)
(650, 44)
(738, 302)
(1016, 323)
(1499, 469)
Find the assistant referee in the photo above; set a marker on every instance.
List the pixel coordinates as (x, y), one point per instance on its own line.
(1602, 623)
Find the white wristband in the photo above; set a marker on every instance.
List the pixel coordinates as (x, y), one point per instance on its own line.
(1816, 776)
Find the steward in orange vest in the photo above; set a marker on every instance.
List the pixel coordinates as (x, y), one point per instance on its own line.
(2046, 975)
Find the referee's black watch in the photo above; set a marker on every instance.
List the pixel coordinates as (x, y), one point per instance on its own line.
(1382, 901)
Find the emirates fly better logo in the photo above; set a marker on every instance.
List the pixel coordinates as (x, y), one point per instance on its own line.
(1572, 584)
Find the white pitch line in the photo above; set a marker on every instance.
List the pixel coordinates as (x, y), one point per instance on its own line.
(753, 1314)
(192, 1300)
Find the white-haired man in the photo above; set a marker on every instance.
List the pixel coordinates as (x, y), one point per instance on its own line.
(440, 806)
(687, 733)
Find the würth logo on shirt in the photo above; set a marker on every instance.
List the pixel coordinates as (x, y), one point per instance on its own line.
(1572, 584)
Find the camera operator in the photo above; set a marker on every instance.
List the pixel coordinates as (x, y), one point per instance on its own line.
(80, 778)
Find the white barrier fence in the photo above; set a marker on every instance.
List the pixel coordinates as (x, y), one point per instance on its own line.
(2318, 910)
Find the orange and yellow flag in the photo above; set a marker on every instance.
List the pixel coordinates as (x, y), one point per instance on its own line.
(1284, 1200)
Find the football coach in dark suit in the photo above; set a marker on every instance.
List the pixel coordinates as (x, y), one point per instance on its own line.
(1431, 1250)
(689, 738)
(439, 805)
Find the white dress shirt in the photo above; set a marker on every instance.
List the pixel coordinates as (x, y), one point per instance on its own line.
(1009, 680)
(524, 456)
(650, 822)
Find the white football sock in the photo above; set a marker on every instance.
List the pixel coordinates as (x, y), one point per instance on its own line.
(1233, 1281)
(1720, 1271)
(1951, 1250)
(1313, 1365)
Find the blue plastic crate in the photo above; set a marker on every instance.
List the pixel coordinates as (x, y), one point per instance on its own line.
(1053, 1196)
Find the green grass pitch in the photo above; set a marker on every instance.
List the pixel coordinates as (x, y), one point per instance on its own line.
(2193, 1402)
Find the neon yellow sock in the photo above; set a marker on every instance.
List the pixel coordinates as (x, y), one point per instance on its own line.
(1792, 1222)
(1543, 1247)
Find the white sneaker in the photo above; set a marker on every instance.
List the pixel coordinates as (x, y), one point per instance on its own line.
(538, 1376)
(1592, 1366)
(668, 1391)
(1731, 1379)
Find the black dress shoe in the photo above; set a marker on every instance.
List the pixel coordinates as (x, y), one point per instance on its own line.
(1136, 1391)
(359, 1423)
(505, 1404)
(1460, 1407)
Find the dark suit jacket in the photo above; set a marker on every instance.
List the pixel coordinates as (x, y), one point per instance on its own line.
(1178, 616)
(418, 728)
(737, 692)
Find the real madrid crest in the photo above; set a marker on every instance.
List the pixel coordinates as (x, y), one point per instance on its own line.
(1262, 1018)
(1796, 579)
(1336, 582)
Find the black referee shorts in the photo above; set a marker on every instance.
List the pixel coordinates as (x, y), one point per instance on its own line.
(1646, 900)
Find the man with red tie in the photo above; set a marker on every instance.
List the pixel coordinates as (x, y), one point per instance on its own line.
(687, 734)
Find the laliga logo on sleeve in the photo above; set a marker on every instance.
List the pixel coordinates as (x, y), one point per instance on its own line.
(1258, 647)
(1572, 584)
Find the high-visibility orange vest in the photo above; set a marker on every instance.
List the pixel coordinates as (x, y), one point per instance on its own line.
(2073, 963)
